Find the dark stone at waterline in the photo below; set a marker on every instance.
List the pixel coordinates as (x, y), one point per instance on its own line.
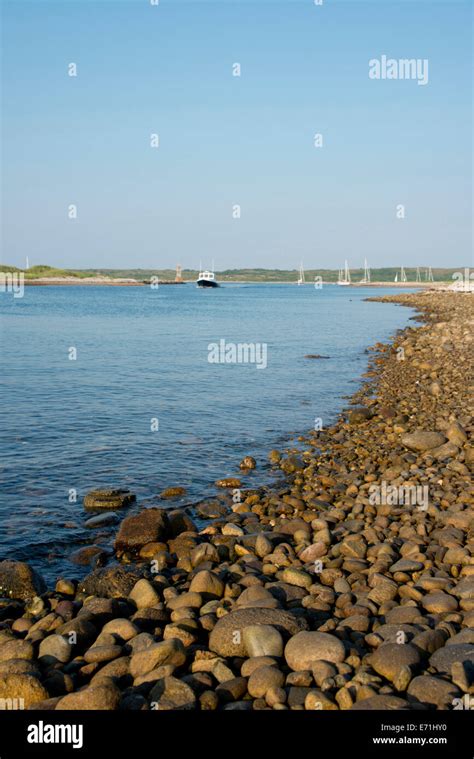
(18, 580)
(111, 582)
(149, 526)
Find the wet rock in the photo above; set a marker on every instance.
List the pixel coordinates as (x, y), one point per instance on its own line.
(306, 648)
(248, 462)
(229, 482)
(211, 509)
(175, 492)
(110, 582)
(19, 580)
(88, 555)
(359, 415)
(149, 526)
(102, 520)
(108, 499)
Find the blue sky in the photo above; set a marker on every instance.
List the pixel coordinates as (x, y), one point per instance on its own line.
(226, 140)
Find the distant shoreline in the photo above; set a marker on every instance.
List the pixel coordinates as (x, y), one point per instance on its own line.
(101, 282)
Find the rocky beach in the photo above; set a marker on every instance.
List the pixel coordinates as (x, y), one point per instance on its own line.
(349, 586)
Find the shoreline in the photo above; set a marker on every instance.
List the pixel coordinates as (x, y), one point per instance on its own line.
(98, 282)
(318, 576)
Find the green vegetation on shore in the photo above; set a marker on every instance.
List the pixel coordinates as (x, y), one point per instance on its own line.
(41, 271)
(386, 274)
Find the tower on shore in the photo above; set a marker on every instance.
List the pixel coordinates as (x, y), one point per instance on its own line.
(179, 276)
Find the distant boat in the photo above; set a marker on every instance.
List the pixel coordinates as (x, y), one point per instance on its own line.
(207, 278)
(396, 277)
(429, 275)
(366, 278)
(344, 277)
(301, 280)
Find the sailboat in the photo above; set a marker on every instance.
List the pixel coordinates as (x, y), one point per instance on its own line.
(366, 278)
(429, 275)
(403, 276)
(396, 277)
(418, 275)
(344, 277)
(301, 280)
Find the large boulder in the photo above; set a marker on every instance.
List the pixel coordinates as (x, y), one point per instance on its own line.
(227, 637)
(149, 526)
(20, 581)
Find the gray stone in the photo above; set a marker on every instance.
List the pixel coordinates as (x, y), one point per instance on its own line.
(226, 638)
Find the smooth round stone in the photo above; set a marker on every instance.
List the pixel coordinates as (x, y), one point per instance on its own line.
(264, 678)
(208, 584)
(390, 658)
(16, 649)
(406, 565)
(433, 691)
(262, 640)
(144, 595)
(305, 648)
(226, 639)
(54, 649)
(102, 653)
(297, 577)
(250, 665)
(439, 603)
(443, 659)
(122, 628)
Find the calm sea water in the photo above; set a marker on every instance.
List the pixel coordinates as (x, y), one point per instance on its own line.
(142, 355)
